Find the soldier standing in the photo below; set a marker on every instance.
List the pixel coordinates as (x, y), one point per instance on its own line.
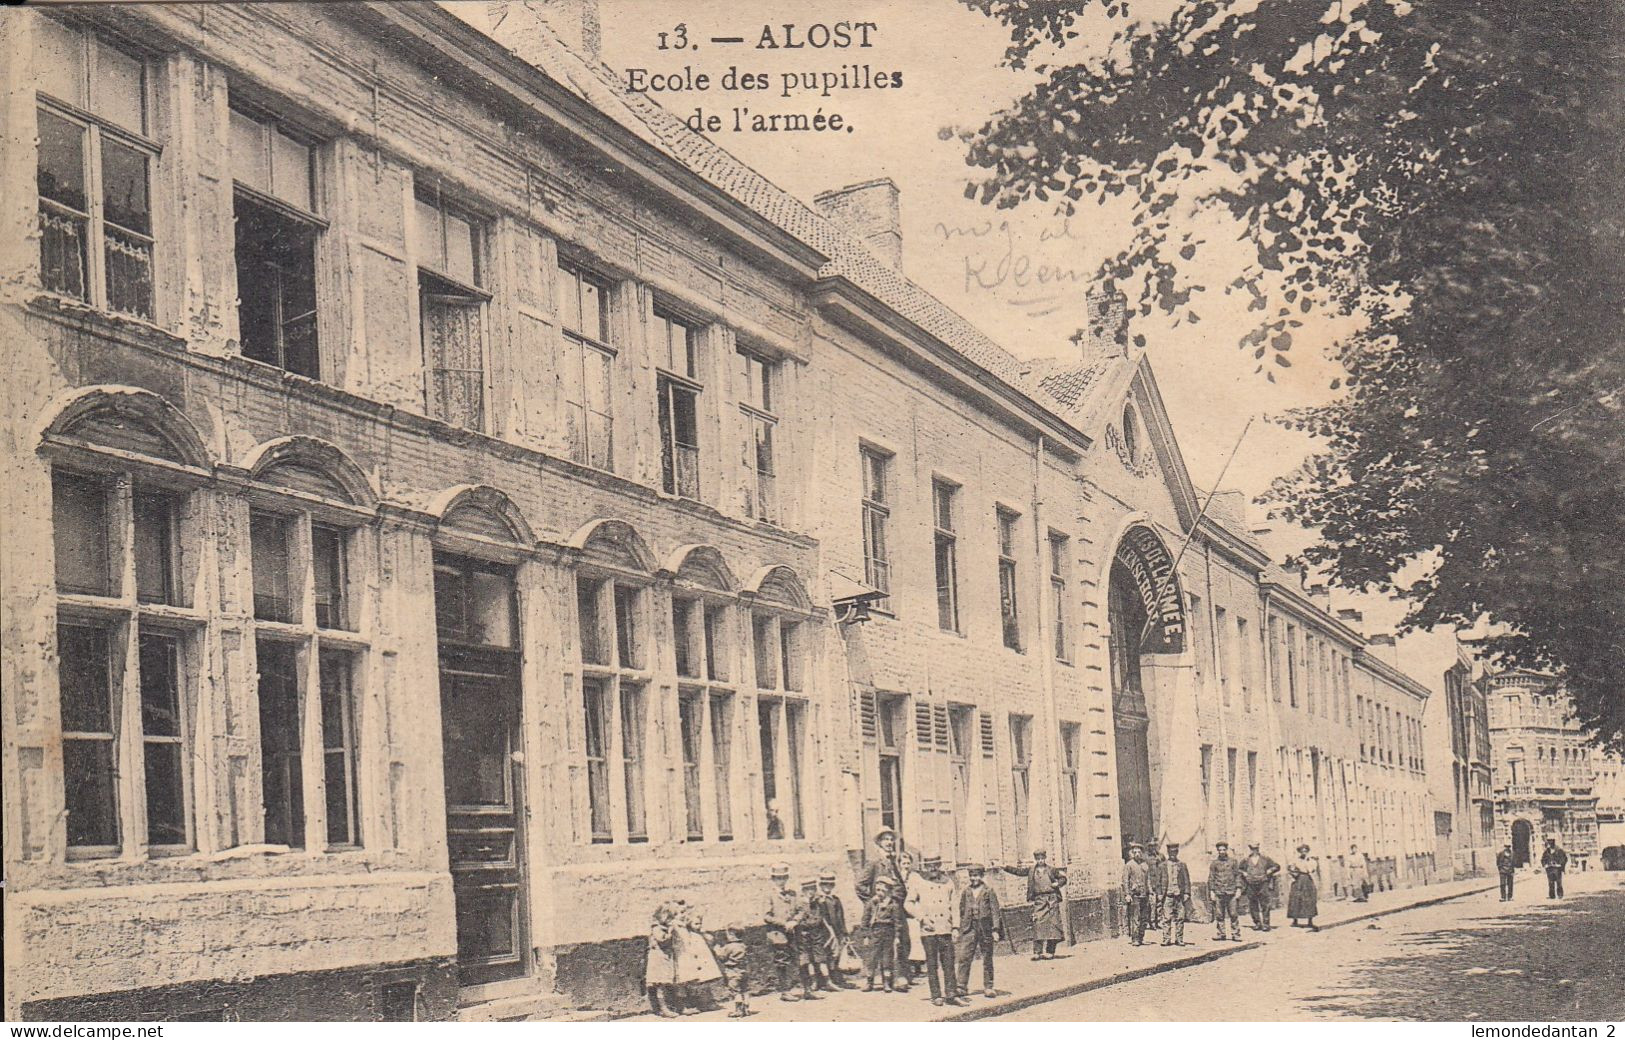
(1137, 893)
(890, 865)
(1224, 888)
(1258, 877)
(1508, 869)
(1555, 860)
(1176, 889)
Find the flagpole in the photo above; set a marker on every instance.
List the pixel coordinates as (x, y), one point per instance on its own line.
(1173, 571)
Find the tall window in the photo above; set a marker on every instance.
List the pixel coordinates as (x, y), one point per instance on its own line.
(1221, 651)
(614, 659)
(961, 746)
(705, 716)
(1244, 663)
(1057, 595)
(98, 620)
(677, 355)
(273, 168)
(1021, 767)
(782, 722)
(758, 404)
(1273, 639)
(1207, 781)
(876, 516)
(947, 554)
(1252, 795)
(589, 366)
(1292, 664)
(889, 730)
(1071, 761)
(1232, 761)
(290, 555)
(1008, 590)
(452, 309)
(94, 172)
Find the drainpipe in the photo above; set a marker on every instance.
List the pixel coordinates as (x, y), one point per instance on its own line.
(1047, 655)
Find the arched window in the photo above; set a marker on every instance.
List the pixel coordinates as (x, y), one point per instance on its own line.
(125, 468)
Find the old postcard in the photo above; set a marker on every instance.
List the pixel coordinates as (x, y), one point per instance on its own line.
(794, 511)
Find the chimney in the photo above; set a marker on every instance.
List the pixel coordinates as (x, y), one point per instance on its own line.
(1382, 646)
(1320, 595)
(1351, 617)
(874, 210)
(1262, 531)
(1106, 334)
(575, 22)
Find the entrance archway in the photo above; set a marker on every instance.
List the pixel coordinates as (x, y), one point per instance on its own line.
(1523, 835)
(1145, 615)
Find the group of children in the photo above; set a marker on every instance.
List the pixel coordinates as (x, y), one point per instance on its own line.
(908, 918)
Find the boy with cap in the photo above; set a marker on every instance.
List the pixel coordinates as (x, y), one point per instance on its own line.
(931, 903)
(829, 906)
(1176, 888)
(1224, 888)
(893, 866)
(1159, 880)
(881, 914)
(980, 925)
(1137, 892)
(779, 919)
(808, 932)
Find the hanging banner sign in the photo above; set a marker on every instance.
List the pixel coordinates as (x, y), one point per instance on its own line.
(1147, 560)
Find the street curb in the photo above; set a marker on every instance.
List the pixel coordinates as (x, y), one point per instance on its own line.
(1073, 989)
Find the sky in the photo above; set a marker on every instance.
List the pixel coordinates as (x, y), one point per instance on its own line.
(1020, 275)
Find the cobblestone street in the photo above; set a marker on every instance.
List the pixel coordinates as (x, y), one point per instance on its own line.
(1472, 959)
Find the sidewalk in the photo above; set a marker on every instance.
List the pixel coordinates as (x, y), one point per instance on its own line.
(1087, 966)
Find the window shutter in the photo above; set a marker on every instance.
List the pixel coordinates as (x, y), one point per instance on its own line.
(922, 725)
(866, 715)
(986, 722)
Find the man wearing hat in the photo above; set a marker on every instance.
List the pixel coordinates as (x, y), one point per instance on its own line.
(931, 903)
(827, 956)
(893, 866)
(1556, 861)
(980, 925)
(1044, 884)
(1176, 889)
(1257, 878)
(1507, 867)
(1153, 865)
(810, 934)
(780, 920)
(1224, 889)
(1136, 892)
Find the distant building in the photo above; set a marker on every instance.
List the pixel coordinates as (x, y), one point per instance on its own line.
(1543, 769)
(1462, 716)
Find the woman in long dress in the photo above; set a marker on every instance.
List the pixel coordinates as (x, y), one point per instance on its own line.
(1302, 901)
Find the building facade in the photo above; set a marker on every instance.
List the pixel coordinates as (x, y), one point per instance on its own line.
(437, 484)
(1543, 768)
(1462, 720)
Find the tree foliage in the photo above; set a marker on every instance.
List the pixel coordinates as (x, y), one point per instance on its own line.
(1451, 172)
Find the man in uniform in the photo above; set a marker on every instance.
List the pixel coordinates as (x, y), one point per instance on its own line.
(1224, 888)
(980, 925)
(932, 904)
(1555, 860)
(1137, 893)
(1153, 863)
(893, 866)
(1176, 889)
(780, 919)
(1257, 878)
(1044, 884)
(1505, 867)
